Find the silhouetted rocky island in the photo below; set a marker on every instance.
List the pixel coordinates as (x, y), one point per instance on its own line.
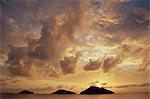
(26, 92)
(63, 92)
(96, 90)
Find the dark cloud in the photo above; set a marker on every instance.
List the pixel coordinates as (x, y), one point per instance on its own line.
(105, 64)
(126, 86)
(19, 62)
(20, 18)
(45, 52)
(110, 62)
(92, 65)
(69, 64)
(2, 80)
(144, 85)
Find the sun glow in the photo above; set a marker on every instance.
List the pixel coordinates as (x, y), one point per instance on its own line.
(98, 84)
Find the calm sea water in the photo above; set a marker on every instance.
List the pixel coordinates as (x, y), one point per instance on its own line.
(114, 96)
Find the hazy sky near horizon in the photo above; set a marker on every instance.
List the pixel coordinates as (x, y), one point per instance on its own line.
(72, 44)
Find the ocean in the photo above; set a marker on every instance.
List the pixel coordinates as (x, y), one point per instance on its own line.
(109, 96)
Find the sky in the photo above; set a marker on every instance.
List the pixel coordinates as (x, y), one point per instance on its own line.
(48, 45)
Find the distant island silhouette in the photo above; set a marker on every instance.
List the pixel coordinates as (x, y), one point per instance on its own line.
(96, 90)
(63, 92)
(89, 91)
(26, 92)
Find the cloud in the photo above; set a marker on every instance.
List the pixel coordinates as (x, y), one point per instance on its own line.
(16, 25)
(145, 59)
(129, 49)
(130, 85)
(69, 64)
(69, 87)
(105, 64)
(21, 63)
(92, 65)
(3, 82)
(109, 63)
(14, 22)
(8, 81)
(120, 22)
(144, 85)
(98, 83)
(55, 30)
(49, 88)
(46, 51)
(126, 86)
